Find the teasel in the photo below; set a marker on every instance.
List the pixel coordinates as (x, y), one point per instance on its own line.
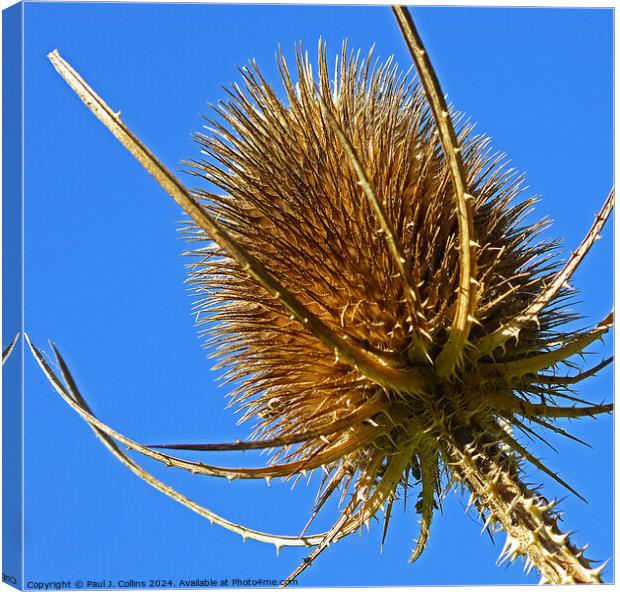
(379, 301)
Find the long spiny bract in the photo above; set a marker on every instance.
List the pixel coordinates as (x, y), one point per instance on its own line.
(463, 317)
(371, 263)
(70, 391)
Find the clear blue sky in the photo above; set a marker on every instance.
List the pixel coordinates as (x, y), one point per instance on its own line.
(105, 277)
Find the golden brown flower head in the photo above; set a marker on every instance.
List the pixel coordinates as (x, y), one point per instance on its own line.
(379, 300)
(294, 199)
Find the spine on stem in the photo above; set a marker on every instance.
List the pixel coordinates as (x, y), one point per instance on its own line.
(528, 519)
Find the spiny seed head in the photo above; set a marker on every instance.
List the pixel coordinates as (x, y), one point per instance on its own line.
(291, 195)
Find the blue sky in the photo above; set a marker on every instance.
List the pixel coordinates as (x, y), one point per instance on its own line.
(104, 277)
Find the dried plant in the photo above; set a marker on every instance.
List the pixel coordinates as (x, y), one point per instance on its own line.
(381, 305)
(8, 350)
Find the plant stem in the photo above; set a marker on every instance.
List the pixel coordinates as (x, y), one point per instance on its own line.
(527, 517)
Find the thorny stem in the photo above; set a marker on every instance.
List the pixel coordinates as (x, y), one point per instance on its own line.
(530, 525)
(516, 447)
(370, 365)
(466, 302)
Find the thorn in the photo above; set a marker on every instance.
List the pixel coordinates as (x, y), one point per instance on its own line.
(545, 508)
(529, 569)
(470, 502)
(583, 550)
(474, 320)
(600, 568)
(487, 522)
(505, 548)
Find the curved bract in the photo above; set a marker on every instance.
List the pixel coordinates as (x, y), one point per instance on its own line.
(8, 350)
(374, 293)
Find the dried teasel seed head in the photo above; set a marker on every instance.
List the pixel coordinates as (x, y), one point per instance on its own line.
(379, 300)
(342, 192)
(294, 200)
